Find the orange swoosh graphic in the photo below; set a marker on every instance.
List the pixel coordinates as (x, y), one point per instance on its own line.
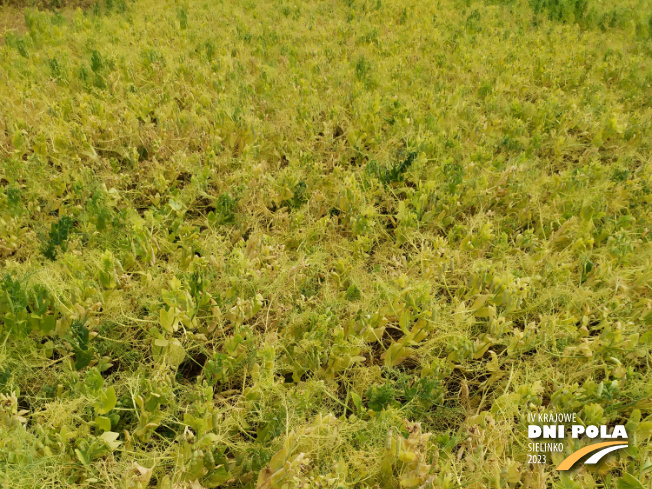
(574, 457)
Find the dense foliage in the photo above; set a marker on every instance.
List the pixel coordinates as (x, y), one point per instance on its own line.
(323, 244)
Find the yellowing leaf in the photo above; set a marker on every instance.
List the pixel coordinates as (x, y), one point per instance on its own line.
(110, 438)
(176, 353)
(628, 481)
(169, 320)
(106, 402)
(103, 423)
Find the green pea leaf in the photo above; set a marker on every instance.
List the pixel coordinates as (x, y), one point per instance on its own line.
(106, 402)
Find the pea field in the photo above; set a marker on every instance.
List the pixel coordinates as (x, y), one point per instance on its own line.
(278, 244)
